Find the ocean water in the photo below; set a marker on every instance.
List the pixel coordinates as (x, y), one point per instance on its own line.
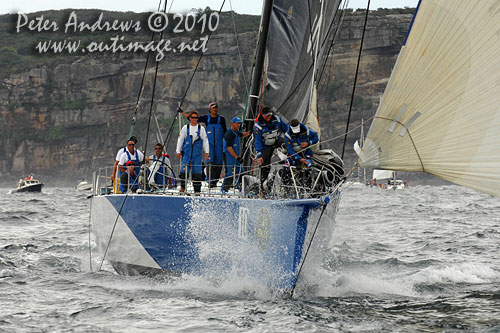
(419, 260)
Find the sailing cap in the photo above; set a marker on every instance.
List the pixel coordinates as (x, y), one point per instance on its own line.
(295, 126)
(212, 105)
(130, 163)
(236, 120)
(295, 129)
(133, 138)
(267, 111)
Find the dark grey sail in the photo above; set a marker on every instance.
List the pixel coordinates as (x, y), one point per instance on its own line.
(294, 53)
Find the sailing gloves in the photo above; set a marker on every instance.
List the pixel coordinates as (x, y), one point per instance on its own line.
(179, 110)
(240, 160)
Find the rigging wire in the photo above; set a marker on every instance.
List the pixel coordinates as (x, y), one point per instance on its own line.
(307, 250)
(141, 89)
(166, 142)
(355, 78)
(292, 92)
(238, 44)
(152, 102)
(334, 39)
(126, 194)
(311, 33)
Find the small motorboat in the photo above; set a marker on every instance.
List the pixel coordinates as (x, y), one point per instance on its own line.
(29, 184)
(83, 186)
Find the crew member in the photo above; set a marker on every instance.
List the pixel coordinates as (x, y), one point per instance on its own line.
(118, 155)
(192, 140)
(129, 179)
(232, 151)
(131, 154)
(161, 169)
(216, 128)
(299, 139)
(268, 130)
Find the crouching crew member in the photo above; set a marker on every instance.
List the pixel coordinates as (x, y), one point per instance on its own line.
(268, 136)
(192, 140)
(129, 179)
(232, 151)
(161, 170)
(299, 139)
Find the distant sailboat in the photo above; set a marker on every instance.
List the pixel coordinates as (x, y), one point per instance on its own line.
(386, 179)
(440, 111)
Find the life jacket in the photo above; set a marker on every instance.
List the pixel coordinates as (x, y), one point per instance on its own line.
(296, 139)
(137, 162)
(270, 130)
(192, 149)
(161, 175)
(132, 184)
(215, 134)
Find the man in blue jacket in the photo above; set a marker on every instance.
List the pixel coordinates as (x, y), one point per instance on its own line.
(232, 144)
(268, 132)
(299, 139)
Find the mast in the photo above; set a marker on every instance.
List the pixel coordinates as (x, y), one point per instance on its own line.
(254, 97)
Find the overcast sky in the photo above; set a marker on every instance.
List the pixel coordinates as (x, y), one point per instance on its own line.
(240, 6)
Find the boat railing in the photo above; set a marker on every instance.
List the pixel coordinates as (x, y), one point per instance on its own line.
(284, 181)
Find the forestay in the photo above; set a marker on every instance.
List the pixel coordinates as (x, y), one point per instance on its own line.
(440, 112)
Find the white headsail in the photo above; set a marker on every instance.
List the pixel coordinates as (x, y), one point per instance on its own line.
(382, 174)
(440, 112)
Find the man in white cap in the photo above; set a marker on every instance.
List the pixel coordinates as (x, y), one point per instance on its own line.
(232, 146)
(299, 139)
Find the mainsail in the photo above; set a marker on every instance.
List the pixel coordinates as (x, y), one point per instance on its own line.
(440, 112)
(294, 56)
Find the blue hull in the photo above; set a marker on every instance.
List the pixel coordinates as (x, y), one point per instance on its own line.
(206, 236)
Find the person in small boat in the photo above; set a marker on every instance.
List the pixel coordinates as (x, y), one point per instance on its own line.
(161, 167)
(129, 179)
(215, 126)
(118, 155)
(191, 141)
(232, 151)
(268, 132)
(299, 139)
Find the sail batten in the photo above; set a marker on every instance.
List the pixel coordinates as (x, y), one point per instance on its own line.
(449, 73)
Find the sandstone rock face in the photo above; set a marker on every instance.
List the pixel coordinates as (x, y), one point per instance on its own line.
(69, 118)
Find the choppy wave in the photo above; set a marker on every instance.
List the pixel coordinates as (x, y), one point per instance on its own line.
(423, 259)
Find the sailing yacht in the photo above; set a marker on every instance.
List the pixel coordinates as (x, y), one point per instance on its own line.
(386, 180)
(165, 231)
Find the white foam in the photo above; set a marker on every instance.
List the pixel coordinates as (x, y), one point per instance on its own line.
(459, 273)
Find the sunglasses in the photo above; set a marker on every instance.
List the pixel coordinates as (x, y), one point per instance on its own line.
(157, 148)
(193, 117)
(131, 144)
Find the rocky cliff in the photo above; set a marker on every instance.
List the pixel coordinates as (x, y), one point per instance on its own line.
(67, 117)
